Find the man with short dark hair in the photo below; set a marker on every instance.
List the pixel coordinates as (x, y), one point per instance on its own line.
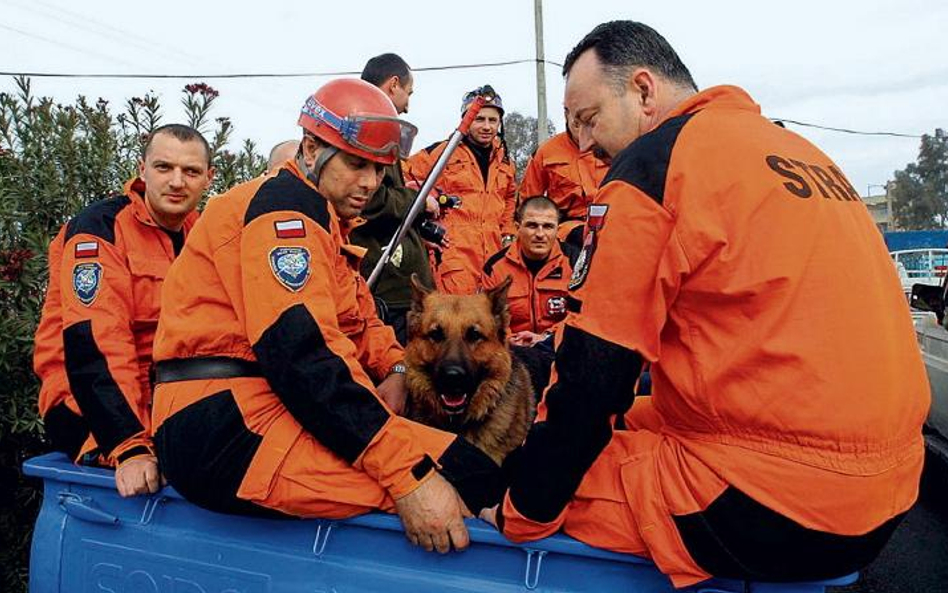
(540, 271)
(479, 172)
(388, 206)
(539, 266)
(391, 73)
(783, 438)
(94, 341)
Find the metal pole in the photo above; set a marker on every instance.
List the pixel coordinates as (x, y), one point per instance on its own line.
(419, 204)
(542, 132)
(416, 208)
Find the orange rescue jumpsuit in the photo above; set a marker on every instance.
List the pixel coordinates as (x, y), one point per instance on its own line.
(537, 302)
(570, 178)
(265, 355)
(486, 212)
(93, 346)
(787, 384)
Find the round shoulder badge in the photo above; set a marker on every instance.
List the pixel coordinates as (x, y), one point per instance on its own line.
(86, 279)
(290, 265)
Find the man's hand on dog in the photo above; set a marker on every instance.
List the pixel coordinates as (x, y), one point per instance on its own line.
(393, 392)
(432, 516)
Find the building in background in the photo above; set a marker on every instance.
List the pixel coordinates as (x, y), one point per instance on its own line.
(880, 207)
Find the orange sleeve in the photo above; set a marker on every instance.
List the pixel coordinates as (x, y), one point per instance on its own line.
(534, 182)
(417, 166)
(628, 308)
(48, 359)
(379, 351)
(519, 528)
(99, 346)
(507, 226)
(616, 320)
(309, 362)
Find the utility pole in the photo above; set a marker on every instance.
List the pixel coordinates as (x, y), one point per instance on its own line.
(542, 132)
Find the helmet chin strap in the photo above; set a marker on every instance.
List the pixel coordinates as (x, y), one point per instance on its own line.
(313, 174)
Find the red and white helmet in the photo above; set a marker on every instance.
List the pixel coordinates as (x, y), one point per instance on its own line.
(358, 118)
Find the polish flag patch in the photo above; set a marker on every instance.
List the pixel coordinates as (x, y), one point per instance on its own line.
(87, 249)
(596, 216)
(290, 229)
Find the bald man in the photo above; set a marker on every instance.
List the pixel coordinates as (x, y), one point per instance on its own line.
(281, 153)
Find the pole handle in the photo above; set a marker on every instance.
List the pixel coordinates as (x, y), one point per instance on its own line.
(472, 110)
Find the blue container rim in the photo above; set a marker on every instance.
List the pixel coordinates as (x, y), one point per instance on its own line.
(57, 467)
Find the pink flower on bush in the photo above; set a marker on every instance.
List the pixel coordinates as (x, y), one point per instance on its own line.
(201, 88)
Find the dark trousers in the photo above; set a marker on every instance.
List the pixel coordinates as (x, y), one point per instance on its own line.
(737, 537)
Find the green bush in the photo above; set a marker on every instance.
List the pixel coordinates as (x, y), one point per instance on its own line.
(54, 160)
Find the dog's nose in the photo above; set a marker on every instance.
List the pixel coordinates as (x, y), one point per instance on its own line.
(452, 377)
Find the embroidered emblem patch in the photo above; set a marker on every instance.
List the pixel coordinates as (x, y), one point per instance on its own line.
(86, 279)
(290, 265)
(595, 220)
(556, 307)
(397, 254)
(290, 229)
(87, 249)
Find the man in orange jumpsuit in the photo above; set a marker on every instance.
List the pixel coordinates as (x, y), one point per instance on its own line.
(481, 174)
(783, 440)
(93, 349)
(539, 270)
(269, 349)
(566, 175)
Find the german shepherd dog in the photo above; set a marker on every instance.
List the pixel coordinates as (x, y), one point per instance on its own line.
(461, 376)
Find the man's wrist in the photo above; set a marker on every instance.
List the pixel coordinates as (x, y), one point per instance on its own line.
(398, 367)
(134, 452)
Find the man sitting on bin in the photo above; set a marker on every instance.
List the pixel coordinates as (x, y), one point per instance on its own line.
(93, 347)
(273, 370)
(783, 438)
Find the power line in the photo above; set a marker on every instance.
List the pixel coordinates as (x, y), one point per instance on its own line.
(86, 23)
(358, 72)
(269, 75)
(64, 45)
(139, 41)
(844, 130)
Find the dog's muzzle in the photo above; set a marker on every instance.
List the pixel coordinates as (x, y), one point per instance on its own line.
(453, 384)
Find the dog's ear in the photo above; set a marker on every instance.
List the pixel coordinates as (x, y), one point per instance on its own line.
(498, 305)
(418, 293)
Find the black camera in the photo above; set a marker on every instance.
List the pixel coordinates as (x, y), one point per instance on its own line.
(432, 232)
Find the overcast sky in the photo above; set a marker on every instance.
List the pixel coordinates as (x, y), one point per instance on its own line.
(869, 65)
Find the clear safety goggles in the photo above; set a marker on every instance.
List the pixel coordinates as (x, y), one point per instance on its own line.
(378, 135)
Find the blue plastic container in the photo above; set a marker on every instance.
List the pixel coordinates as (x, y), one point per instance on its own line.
(88, 539)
